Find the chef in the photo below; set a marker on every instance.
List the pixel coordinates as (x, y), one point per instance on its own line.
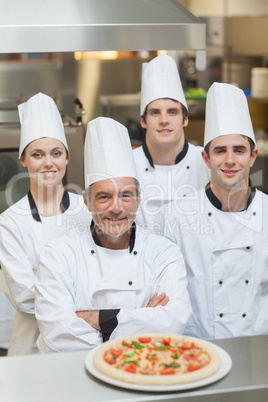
(168, 166)
(46, 212)
(223, 233)
(110, 279)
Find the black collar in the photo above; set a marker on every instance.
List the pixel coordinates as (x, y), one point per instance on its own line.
(64, 205)
(217, 204)
(178, 159)
(131, 241)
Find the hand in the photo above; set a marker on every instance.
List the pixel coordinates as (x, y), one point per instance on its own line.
(160, 300)
(91, 317)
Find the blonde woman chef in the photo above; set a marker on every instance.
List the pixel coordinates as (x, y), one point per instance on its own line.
(48, 211)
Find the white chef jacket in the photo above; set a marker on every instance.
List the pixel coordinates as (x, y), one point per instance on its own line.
(226, 255)
(7, 313)
(21, 240)
(76, 274)
(161, 184)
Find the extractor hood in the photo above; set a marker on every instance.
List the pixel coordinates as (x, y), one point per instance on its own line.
(88, 25)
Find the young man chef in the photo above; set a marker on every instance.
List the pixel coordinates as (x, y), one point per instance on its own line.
(110, 279)
(167, 164)
(223, 233)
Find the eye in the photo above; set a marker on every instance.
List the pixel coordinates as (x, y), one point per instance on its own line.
(173, 112)
(240, 151)
(37, 155)
(57, 154)
(103, 198)
(154, 112)
(127, 196)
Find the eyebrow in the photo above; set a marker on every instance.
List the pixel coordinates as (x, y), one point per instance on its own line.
(41, 150)
(225, 147)
(156, 109)
(100, 193)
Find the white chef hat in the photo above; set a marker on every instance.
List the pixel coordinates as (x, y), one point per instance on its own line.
(227, 112)
(108, 152)
(160, 79)
(39, 118)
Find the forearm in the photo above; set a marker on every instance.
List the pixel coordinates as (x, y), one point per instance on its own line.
(171, 318)
(19, 295)
(91, 317)
(17, 277)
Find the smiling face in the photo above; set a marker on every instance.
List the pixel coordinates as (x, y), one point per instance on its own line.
(113, 204)
(230, 160)
(164, 124)
(46, 160)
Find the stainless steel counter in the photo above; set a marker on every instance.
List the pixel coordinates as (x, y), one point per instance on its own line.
(63, 377)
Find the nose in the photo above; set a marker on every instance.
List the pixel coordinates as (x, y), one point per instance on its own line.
(116, 207)
(230, 158)
(163, 118)
(48, 161)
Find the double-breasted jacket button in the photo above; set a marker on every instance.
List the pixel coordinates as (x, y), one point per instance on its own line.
(130, 283)
(92, 251)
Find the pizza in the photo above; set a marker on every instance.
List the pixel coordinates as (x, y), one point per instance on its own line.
(157, 359)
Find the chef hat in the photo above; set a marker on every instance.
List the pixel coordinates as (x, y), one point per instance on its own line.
(226, 112)
(160, 79)
(108, 152)
(39, 118)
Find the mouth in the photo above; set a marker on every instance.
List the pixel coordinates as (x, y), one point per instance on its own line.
(115, 220)
(228, 172)
(164, 131)
(49, 173)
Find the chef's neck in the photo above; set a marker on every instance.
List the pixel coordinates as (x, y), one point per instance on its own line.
(115, 242)
(232, 199)
(165, 154)
(47, 198)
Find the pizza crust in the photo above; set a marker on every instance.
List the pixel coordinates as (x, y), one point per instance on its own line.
(211, 368)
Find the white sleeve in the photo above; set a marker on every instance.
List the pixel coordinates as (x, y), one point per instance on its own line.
(17, 277)
(172, 318)
(60, 328)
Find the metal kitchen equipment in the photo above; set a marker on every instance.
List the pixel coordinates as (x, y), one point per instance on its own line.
(71, 25)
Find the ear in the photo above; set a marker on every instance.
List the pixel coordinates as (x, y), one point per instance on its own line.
(186, 121)
(206, 158)
(22, 161)
(253, 156)
(143, 124)
(86, 202)
(67, 157)
(139, 199)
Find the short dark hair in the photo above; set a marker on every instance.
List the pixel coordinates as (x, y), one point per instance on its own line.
(184, 111)
(251, 144)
